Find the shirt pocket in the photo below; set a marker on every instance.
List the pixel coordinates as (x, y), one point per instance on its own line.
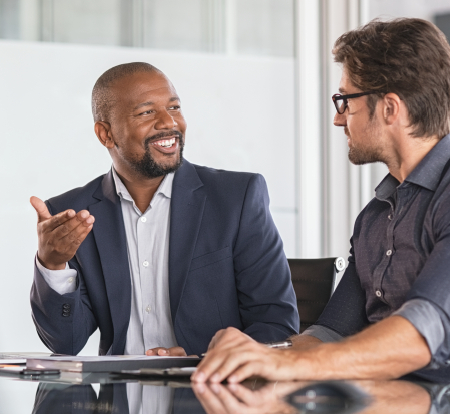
(210, 258)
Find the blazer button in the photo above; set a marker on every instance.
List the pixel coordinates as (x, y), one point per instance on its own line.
(66, 310)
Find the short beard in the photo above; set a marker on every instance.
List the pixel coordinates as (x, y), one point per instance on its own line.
(148, 167)
(370, 153)
(363, 156)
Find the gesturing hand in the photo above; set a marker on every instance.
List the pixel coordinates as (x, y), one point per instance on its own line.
(59, 236)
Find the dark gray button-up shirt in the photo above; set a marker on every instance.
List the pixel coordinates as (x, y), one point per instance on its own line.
(400, 259)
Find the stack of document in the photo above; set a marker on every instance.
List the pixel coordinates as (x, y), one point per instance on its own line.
(110, 363)
(11, 358)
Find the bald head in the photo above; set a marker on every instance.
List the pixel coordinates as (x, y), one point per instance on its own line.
(103, 98)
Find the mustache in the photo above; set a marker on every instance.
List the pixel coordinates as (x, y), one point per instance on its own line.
(163, 135)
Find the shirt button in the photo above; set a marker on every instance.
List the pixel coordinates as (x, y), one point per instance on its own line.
(70, 280)
(389, 252)
(148, 309)
(145, 264)
(143, 219)
(378, 293)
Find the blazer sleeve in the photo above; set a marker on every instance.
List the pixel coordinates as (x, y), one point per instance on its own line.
(267, 302)
(63, 322)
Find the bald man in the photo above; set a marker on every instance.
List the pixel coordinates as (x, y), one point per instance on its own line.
(158, 253)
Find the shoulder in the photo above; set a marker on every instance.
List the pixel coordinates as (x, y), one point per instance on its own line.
(78, 198)
(234, 179)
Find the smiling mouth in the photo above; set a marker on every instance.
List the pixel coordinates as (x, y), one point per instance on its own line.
(165, 143)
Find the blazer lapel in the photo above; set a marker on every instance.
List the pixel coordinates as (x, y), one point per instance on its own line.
(110, 238)
(187, 205)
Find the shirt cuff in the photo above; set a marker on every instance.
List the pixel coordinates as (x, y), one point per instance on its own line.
(426, 319)
(61, 281)
(322, 333)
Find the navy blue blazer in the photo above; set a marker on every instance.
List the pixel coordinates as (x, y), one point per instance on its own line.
(226, 266)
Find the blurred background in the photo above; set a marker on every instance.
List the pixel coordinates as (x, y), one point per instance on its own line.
(255, 78)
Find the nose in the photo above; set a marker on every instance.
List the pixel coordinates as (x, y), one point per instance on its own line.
(340, 119)
(165, 120)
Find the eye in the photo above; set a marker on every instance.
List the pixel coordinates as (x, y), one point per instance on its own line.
(175, 108)
(148, 112)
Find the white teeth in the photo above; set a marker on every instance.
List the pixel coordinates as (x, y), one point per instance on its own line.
(166, 143)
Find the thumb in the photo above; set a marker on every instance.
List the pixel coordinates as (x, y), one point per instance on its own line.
(41, 209)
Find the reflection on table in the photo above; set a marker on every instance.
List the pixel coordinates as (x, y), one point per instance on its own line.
(252, 397)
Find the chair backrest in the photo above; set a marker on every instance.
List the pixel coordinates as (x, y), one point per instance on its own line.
(313, 281)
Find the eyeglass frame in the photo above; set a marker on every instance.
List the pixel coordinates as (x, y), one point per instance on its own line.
(337, 97)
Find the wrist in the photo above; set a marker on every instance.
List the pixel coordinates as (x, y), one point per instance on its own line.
(51, 266)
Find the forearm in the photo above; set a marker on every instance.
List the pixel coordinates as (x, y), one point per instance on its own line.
(388, 349)
(303, 342)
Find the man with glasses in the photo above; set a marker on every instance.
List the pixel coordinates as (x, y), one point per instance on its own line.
(390, 314)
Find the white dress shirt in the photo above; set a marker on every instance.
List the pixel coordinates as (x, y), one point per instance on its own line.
(148, 257)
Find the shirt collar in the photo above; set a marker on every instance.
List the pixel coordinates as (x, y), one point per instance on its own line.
(386, 188)
(165, 188)
(427, 174)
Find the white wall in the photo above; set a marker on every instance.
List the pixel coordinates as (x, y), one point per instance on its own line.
(240, 114)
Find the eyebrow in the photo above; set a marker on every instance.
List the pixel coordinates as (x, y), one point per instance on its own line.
(342, 90)
(149, 103)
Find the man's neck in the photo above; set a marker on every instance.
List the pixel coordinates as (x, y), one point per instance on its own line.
(406, 154)
(141, 190)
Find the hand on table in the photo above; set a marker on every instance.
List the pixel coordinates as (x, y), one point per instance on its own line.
(160, 351)
(235, 356)
(59, 236)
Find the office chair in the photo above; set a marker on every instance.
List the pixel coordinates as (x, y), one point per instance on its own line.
(313, 281)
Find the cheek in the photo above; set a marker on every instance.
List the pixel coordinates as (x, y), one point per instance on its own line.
(181, 122)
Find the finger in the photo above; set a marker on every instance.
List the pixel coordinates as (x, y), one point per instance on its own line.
(68, 246)
(222, 361)
(209, 400)
(243, 372)
(41, 208)
(208, 366)
(231, 340)
(157, 351)
(228, 400)
(232, 364)
(55, 221)
(246, 395)
(176, 351)
(74, 226)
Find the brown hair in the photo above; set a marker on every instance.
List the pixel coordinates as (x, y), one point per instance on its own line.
(409, 57)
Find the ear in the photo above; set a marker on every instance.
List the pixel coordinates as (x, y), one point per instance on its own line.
(391, 108)
(103, 131)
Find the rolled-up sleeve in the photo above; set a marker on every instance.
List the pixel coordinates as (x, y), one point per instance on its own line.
(433, 284)
(322, 333)
(426, 319)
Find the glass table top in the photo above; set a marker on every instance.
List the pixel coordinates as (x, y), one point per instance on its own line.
(104, 394)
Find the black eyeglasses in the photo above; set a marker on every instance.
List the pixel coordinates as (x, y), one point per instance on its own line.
(341, 107)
